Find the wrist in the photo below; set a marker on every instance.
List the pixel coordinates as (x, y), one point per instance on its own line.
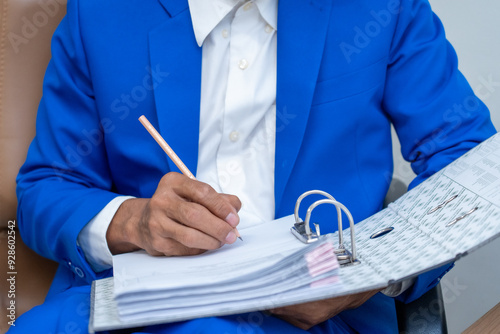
(121, 235)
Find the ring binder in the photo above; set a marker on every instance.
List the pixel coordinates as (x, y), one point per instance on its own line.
(419, 243)
(302, 231)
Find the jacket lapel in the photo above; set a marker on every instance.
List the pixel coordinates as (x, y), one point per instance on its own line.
(302, 27)
(173, 49)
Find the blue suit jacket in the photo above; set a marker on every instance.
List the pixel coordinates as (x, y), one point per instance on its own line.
(345, 71)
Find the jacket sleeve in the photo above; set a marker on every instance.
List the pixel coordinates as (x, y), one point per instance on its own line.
(65, 180)
(435, 113)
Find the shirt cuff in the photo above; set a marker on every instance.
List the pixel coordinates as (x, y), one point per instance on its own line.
(92, 238)
(396, 289)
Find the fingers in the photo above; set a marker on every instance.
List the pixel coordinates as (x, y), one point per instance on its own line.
(171, 247)
(200, 218)
(310, 314)
(360, 298)
(187, 222)
(186, 217)
(304, 315)
(233, 200)
(296, 317)
(158, 228)
(295, 322)
(223, 206)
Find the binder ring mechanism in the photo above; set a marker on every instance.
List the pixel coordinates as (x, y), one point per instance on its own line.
(302, 230)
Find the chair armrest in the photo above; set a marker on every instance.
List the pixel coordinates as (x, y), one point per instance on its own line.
(424, 315)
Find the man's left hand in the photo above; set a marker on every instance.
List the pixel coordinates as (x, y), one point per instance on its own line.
(310, 314)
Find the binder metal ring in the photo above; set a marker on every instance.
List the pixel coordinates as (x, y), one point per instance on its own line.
(303, 232)
(308, 229)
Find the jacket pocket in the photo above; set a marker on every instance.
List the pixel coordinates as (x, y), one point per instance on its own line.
(350, 84)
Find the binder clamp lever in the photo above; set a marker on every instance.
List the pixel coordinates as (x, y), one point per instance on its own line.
(303, 232)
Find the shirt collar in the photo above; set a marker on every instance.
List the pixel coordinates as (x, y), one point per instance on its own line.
(269, 11)
(207, 14)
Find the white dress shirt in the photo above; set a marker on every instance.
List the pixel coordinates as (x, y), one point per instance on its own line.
(237, 113)
(238, 101)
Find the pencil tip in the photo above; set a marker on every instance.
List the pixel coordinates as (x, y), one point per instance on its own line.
(240, 238)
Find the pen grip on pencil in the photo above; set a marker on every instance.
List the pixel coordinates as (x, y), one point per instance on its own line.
(163, 144)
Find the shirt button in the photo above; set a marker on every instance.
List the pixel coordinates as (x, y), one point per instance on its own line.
(225, 33)
(269, 29)
(233, 136)
(247, 6)
(243, 64)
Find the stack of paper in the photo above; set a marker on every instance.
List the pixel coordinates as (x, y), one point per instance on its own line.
(268, 263)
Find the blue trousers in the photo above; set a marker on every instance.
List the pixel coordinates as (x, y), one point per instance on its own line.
(68, 313)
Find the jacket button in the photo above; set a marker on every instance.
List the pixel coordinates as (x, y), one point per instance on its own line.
(79, 272)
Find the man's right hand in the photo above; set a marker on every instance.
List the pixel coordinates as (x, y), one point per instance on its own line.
(184, 217)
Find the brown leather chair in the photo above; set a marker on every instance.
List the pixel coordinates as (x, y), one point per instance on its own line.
(26, 28)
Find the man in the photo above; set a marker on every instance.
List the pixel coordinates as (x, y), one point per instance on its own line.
(260, 100)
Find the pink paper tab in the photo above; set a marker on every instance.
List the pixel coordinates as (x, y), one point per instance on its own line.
(321, 260)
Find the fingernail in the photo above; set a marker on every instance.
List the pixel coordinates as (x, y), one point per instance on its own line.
(231, 237)
(232, 219)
